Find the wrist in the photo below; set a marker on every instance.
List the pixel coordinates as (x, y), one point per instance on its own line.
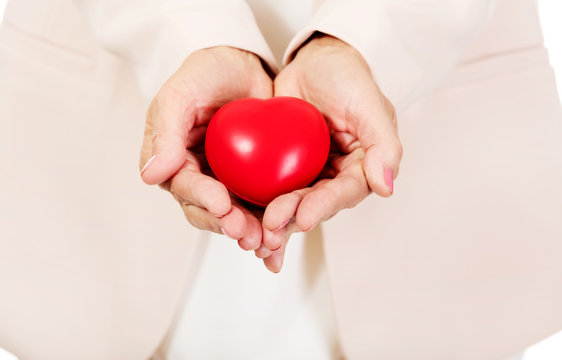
(320, 45)
(233, 55)
(323, 42)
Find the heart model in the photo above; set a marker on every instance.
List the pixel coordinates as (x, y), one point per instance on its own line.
(260, 149)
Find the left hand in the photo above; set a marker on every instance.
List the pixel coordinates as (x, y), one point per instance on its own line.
(173, 154)
(366, 150)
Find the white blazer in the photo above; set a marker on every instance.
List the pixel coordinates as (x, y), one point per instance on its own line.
(463, 262)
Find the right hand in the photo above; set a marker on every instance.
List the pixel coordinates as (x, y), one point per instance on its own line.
(366, 150)
(172, 153)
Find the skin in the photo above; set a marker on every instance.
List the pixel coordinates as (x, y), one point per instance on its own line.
(175, 130)
(326, 72)
(335, 78)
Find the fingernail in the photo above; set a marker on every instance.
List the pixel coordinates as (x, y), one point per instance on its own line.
(147, 165)
(389, 179)
(312, 227)
(283, 225)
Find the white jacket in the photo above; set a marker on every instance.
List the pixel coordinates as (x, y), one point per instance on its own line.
(464, 262)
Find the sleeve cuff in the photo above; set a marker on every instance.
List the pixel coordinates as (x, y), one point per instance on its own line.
(369, 35)
(408, 46)
(157, 45)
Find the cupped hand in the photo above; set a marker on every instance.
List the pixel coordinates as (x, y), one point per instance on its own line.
(366, 150)
(172, 153)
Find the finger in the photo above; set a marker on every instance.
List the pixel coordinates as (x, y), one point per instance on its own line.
(253, 238)
(233, 224)
(274, 262)
(262, 252)
(280, 237)
(191, 186)
(346, 142)
(201, 218)
(324, 201)
(171, 118)
(374, 122)
(279, 213)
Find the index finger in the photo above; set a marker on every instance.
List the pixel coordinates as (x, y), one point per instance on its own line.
(196, 188)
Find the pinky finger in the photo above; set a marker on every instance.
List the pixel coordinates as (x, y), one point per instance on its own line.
(274, 261)
(253, 238)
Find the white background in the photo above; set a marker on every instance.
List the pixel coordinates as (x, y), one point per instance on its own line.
(551, 14)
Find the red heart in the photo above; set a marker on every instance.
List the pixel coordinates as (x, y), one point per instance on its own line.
(260, 149)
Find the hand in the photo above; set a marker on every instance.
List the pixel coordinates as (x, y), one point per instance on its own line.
(366, 150)
(172, 153)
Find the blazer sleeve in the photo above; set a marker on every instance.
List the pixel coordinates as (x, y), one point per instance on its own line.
(409, 45)
(155, 36)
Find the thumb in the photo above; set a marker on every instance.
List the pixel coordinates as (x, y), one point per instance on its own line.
(374, 118)
(167, 140)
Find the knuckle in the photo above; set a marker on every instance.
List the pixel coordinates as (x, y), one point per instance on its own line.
(197, 218)
(180, 189)
(294, 197)
(175, 189)
(398, 149)
(390, 110)
(393, 118)
(394, 150)
(190, 215)
(388, 105)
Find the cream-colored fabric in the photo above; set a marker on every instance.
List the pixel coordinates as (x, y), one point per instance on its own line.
(263, 310)
(239, 310)
(409, 45)
(156, 36)
(280, 20)
(92, 261)
(464, 262)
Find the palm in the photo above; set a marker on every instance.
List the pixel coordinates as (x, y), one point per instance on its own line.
(175, 130)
